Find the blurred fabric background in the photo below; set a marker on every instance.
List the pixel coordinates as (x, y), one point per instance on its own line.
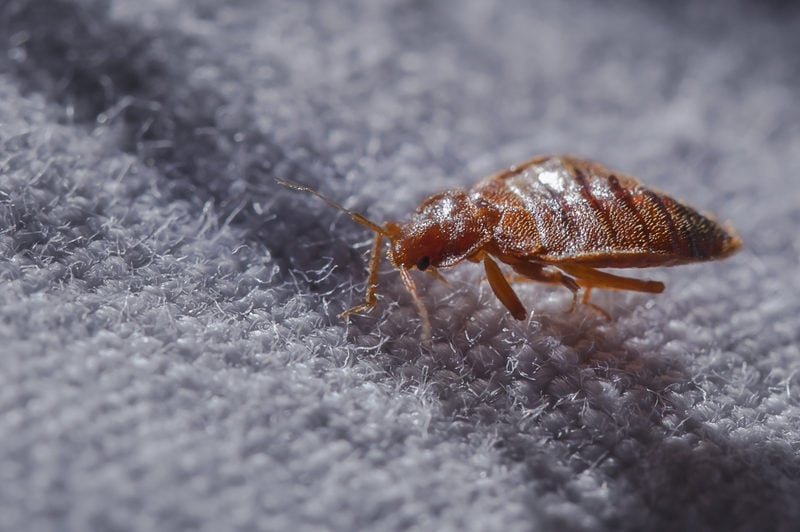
(170, 355)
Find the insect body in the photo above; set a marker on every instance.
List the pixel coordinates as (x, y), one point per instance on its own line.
(554, 219)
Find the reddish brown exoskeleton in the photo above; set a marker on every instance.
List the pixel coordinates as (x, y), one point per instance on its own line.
(554, 219)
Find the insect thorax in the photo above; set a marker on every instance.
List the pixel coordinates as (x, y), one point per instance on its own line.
(445, 229)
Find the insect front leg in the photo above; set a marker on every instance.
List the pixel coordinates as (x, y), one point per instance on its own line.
(408, 282)
(372, 281)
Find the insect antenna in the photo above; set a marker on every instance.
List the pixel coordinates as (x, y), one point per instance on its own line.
(360, 218)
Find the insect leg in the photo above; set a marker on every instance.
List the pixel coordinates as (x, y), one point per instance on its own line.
(533, 271)
(591, 278)
(502, 289)
(372, 281)
(408, 282)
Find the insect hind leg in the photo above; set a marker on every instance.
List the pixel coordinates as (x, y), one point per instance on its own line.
(589, 278)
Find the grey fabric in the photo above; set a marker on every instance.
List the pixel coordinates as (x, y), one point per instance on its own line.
(171, 356)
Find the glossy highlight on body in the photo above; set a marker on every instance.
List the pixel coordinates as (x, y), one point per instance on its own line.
(552, 219)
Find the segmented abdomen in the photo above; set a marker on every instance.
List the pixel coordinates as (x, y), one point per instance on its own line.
(565, 209)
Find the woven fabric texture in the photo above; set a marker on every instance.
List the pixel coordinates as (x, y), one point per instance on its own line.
(170, 352)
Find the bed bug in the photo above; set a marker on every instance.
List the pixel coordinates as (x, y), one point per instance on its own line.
(555, 219)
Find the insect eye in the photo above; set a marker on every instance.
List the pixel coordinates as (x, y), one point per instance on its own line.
(423, 263)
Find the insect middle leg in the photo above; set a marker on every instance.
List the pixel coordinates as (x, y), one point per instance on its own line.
(534, 271)
(502, 289)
